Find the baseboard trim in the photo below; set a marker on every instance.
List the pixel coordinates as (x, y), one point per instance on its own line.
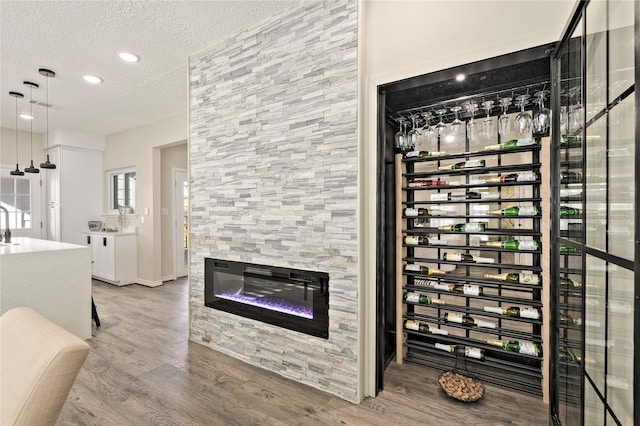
(148, 283)
(169, 278)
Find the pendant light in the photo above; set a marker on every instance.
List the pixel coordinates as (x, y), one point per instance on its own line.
(47, 73)
(17, 171)
(31, 86)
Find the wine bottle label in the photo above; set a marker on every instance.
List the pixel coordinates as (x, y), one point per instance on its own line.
(527, 211)
(454, 317)
(442, 287)
(529, 348)
(485, 324)
(453, 257)
(529, 279)
(474, 227)
(472, 290)
(412, 154)
(411, 240)
(525, 142)
(527, 245)
(439, 331)
(442, 347)
(484, 260)
(473, 353)
(527, 176)
(412, 325)
(529, 312)
(489, 195)
(474, 163)
(413, 297)
(439, 197)
(421, 183)
(493, 309)
(412, 267)
(409, 212)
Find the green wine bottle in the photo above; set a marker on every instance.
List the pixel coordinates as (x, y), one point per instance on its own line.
(566, 319)
(469, 352)
(464, 227)
(564, 355)
(424, 328)
(527, 176)
(515, 278)
(469, 164)
(423, 154)
(517, 346)
(424, 270)
(570, 139)
(421, 298)
(516, 211)
(567, 249)
(512, 144)
(515, 311)
(468, 289)
(513, 244)
(420, 212)
(463, 257)
(467, 320)
(569, 211)
(568, 283)
(421, 240)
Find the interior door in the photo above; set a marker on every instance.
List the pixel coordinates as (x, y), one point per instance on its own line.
(181, 222)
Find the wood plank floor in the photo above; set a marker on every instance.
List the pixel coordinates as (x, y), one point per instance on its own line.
(142, 370)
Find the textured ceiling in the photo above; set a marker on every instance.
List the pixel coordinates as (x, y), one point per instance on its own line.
(74, 38)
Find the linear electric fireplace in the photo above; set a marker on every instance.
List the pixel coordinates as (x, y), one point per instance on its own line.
(289, 298)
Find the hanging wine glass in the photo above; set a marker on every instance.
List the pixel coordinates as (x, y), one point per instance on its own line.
(428, 131)
(504, 123)
(542, 117)
(523, 119)
(564, 121)
(472, 126)
(457, 125)
(413, 135)
(405, 147)
(441, 127)
(488, 125)
(575, 111)
(400, 137)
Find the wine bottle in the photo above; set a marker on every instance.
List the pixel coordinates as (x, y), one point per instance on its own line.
(469, 164)
(515, 311)
(567, 249)
(420, 212)
(468, 196)
(564, 355)
(527, 176)
(468, 289)
(515, 278)
(467, 320)
(464, 227)
(512, 144)
(566, 211)
(513, 244)
(469, 352)
(570, 139)
(569, 283)
(568, 176)
(516, 211)
(424, 328)
(422, 183)
(517, 346)
(421, 298)
(570, 192)
(424, 270)
(423, 154)
(463, 257)
(566, 319)
(420, 240)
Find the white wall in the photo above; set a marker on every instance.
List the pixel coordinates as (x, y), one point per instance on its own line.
(8, 148)
(140, 148)
(402, 39)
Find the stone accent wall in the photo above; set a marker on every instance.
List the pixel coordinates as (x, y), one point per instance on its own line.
(273, 169)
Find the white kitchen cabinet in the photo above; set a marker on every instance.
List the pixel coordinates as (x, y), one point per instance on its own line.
(114, 256)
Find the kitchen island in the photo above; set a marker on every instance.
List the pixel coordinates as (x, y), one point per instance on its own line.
(50, 277)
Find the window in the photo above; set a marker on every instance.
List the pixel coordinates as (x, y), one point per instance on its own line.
(15, 196)
(122, 189)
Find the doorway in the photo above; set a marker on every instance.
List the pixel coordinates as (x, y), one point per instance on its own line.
(181, 222)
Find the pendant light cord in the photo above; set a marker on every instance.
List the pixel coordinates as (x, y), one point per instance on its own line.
(31, 121)
(16, 133)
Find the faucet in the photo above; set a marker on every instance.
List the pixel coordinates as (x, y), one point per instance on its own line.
(7, 232)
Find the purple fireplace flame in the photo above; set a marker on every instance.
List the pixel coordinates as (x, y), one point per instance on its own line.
(284, 297)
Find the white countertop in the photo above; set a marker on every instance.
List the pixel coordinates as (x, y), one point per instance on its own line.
(109, 233)
(21, 245)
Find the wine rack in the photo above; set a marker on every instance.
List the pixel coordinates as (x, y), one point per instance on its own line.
(483, 192)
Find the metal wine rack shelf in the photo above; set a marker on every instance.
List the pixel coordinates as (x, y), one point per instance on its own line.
(520, 371)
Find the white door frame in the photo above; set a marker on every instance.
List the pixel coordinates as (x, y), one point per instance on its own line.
(179, 270)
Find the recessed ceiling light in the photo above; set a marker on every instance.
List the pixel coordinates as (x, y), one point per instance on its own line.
(460, 77)
(92, 79)
(128, 57)
(26, 116)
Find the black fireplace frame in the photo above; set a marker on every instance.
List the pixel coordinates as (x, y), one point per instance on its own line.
(315, 281)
